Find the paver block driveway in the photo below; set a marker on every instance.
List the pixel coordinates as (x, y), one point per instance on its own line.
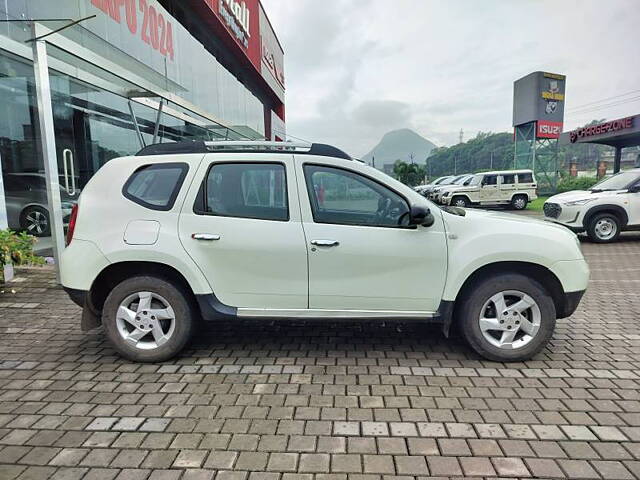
(313, 400)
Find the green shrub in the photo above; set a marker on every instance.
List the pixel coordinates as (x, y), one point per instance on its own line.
(17, 248)
(576, 183)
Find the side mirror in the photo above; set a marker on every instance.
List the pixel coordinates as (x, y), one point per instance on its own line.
(634, 188)
(420, 215)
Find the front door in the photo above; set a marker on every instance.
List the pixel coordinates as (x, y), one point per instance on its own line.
(360, 258)
(489, 189)
(243, 230)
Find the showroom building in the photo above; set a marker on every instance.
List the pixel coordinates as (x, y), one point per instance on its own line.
(124, 74)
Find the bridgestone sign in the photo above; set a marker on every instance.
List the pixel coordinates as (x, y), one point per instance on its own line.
(601, 128)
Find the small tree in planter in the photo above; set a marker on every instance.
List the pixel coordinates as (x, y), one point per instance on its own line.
(16, 249)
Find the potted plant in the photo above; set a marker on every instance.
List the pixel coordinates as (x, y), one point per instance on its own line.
(16, 249)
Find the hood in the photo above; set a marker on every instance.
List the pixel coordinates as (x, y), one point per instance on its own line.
(460, 188)
(576, 195)
(478, 214)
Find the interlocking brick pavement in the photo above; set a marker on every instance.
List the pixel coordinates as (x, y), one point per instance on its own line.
(322, 401)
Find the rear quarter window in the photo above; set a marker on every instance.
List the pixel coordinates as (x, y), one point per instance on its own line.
(525, 178)
(156, 186)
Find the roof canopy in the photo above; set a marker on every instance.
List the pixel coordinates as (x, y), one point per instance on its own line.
(620, 133)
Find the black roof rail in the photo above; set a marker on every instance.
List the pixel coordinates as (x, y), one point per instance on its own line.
(201, 146)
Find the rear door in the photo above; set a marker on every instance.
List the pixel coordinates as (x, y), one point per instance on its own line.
(507, 187)
(241, 225)
(527, 184)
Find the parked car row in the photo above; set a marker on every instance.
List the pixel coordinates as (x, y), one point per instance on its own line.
(511, 188)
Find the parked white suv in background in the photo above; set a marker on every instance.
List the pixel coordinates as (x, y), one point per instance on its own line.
(608, 208)
(514, 188)
(197, 231)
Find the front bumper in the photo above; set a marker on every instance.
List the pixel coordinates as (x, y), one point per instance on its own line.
(569, 304)
(567, 215)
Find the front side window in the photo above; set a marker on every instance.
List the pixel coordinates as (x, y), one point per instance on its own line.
(342, 197)
(156, 186)
(490, 180)
(247, 190)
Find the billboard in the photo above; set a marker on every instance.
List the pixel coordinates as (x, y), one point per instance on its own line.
(539, 97)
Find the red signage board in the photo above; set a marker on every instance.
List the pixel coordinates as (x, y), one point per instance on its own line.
(545, 129)
(601, 129)
(242, 21)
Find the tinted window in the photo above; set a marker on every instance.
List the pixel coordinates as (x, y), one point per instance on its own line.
(346, 198)
(525, 178)
(156, 186)
(247, 190)
(490, 180)
(508, 179)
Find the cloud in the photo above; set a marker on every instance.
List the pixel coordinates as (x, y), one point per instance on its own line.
(359, 68)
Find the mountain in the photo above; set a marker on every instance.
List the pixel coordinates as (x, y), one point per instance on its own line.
(399, 145)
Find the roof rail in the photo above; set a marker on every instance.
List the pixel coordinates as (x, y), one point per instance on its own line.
(240, 146)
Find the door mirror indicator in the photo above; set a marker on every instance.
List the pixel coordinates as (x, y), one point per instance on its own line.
(420, 215)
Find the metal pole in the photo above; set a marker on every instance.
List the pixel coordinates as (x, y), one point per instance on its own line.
(617, 159)
(157, 127)
(48, 146)
(135, 125)
(4, 221)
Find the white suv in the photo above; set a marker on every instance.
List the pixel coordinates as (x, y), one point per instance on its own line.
(197, 231)
(608, 208)
(514, 188)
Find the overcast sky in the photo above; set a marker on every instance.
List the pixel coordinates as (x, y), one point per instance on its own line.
(356, 69)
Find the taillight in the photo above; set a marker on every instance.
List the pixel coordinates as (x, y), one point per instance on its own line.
(72, 223)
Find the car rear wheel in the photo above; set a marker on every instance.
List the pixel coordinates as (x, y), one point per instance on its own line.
(459, 202)
(35, 221)
(507, 317)
(604, 228)
(147, 319)
(519, 202)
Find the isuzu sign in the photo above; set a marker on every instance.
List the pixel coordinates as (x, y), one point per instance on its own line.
(548, 129)
(601, 129)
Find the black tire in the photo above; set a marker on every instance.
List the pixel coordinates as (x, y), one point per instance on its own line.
(177, 298)
(34, 220)
(594, 232)
(468, 316)
(519, 202)
(459, 201)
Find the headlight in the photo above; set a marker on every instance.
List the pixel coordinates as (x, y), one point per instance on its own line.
(580, 202)
(446, 194)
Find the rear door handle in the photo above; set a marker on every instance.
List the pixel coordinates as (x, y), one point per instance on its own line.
(325, 243)
(207, 237)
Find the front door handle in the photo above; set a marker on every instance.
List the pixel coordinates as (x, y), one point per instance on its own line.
(207, 237)
(325, 243)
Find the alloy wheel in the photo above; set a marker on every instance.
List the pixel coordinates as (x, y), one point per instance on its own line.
(37, 222)
(145, 320)
(510, 319)
(520, 203)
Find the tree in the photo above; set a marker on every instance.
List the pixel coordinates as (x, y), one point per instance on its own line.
(409, 173)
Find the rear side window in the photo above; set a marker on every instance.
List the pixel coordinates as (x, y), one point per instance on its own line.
(525, 178)
(508, 179)
(156, 186)
(247, 190)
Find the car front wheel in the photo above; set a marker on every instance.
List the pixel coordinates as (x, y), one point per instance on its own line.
(604, 228)
(459, 202)
(507, 317)
(147, 319)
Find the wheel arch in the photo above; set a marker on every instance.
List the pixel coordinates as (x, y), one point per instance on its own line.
(114, 273)
(545, 277)
(464, 195)
(616, 210)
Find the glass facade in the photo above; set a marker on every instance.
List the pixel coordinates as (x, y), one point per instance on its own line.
(100, 114)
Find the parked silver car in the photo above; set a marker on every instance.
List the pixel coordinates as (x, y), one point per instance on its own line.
(26, 199)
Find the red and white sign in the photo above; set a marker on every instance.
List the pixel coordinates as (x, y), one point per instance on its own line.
(546, 129)
(142, 19)
(601, 128)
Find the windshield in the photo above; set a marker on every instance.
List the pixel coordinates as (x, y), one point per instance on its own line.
(460, 181)
(619, 181)
(475, 180)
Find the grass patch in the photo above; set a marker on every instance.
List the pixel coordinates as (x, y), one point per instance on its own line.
(537, 204)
